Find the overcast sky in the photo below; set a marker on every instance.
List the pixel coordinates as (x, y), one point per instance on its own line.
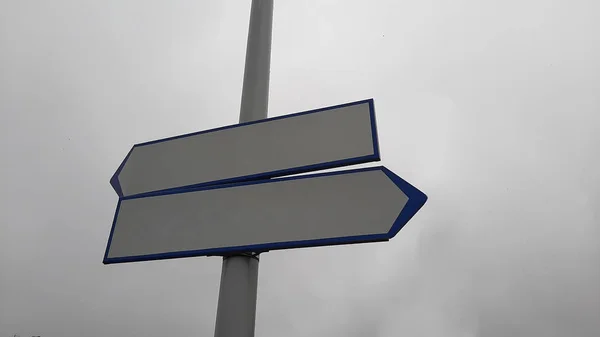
(490, 107)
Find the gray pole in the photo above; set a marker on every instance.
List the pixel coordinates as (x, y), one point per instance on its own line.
(255, 92)
(236, 310)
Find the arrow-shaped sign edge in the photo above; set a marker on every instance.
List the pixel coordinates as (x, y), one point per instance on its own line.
(416, 200)
(114, 180)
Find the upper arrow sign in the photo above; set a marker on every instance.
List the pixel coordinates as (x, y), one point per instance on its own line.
(306, 141)
(354, 206)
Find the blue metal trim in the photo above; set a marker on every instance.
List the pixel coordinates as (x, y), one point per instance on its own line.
(264, 175)
(114, 180)
(253, 182)
(252, 248)
(261, 176)
(374, 130)
(112, 230)
(258, 121)
(416, 199)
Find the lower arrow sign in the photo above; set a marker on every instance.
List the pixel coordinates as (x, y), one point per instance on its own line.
(354, 206)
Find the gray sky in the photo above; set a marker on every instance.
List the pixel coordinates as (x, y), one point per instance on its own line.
(490, 107)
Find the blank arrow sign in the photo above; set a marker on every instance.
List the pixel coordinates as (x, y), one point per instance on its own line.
(307, 141)
(363, 205)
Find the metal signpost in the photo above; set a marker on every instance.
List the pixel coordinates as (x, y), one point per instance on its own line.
(223, 192)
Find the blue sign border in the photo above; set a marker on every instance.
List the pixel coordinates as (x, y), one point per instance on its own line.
(416, 200)
(114, 181)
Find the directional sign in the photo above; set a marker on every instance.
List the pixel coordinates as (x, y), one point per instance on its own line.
(307, 141)
(353, 206)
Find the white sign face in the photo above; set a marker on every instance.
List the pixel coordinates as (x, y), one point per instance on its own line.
(354, 206)
(307, 141)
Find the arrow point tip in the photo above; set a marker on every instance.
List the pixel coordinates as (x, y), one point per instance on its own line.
(412, 192)
(420, 197)
(416, 200)
(114, 182)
